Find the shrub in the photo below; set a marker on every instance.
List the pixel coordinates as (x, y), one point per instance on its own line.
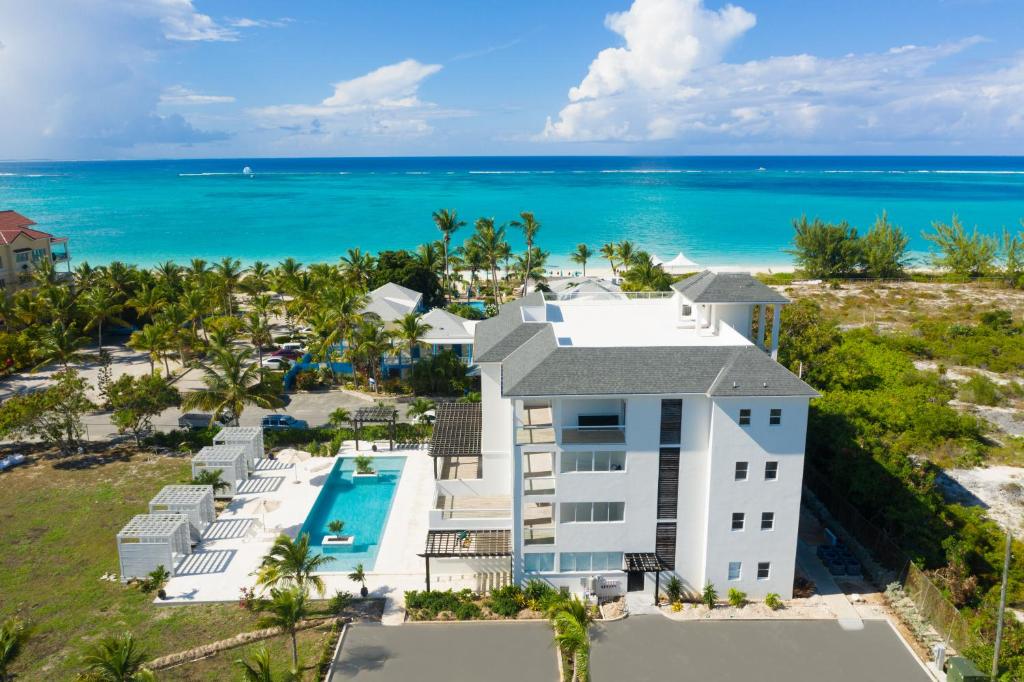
(307, 381)
(737, 598)
(507, 601)
(427, 605)
(468, 610)
(674, 589)
(980, 390)
(709, 596)
(339, 601)
(677, 606)
(537, 593)
(364, 464)
(773, 601)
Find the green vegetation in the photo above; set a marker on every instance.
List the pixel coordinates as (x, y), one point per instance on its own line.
(136, 400)
(53, 414)
(441, 374)
(773, 601)
(292, 563)
(967, 255)
(571, 619)
(117, 659)
(737, 598)
(286, 608)
(674, 589)
(13, 635)
(882, 428)
(709, 596)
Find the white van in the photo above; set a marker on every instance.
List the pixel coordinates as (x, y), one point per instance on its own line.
(294, 345)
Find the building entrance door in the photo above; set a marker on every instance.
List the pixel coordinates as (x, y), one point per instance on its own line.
(634, 581)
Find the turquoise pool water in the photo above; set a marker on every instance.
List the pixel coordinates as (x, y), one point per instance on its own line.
(363, 503)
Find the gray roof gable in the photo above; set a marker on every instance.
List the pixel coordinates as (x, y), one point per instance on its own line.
(495, 338)
(727, 287)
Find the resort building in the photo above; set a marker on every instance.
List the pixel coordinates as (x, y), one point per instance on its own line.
(448, 331)
(391, 302)
(623, 438)
(23, 248)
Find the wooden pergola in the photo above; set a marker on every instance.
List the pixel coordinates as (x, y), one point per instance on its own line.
(376, 415)
(456, 432)
(646, 562)
(466, 544)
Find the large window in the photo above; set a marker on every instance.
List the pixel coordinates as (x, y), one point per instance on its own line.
(735, 570)
(592, 512)
(21, 256)
(599, 460)
(590, 561)
(539, 563)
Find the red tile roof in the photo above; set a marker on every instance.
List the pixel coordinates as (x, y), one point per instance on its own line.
(13, 223)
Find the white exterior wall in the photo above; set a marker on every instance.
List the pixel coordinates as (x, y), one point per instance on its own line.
(691, 519)
(757, 443)
(496, 412)
(739, 316)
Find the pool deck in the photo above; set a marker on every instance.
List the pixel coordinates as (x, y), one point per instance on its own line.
(235, 544)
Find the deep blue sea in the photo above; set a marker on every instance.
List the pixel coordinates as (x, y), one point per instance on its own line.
(718, 210)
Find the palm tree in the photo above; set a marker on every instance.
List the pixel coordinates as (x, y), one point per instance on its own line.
(152, 339)
(100, 305)
(259, 668)
(196, 304)
(357, 267)
(291, 562)
(147, 300)
(371, 342)
(229, 272)
(13, 635)
(286, 608)
(175, 319)
(489, 240)
(419, 407)
(258, 331)
(608, 251)
(285, 273)
(447, 220)
(61, 343)
(411, 329)
(359, 576)
(581, 256)
(257, 280)
(232, 382)
(644, 275)
(626, 252)
(211, 477)
(116, 659)
(571, 619)
(530, 227)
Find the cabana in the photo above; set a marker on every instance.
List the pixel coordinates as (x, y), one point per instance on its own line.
(251, 437)
(194, 501)
(150, 541)
(679, 265)
(230, 460)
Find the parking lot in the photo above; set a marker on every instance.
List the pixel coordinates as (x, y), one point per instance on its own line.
(447, 652)
(637, 649)
(654, 649)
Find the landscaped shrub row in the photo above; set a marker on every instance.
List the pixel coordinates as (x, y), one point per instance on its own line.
(504, 602)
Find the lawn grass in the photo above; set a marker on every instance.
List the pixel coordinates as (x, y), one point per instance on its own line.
(57, 529)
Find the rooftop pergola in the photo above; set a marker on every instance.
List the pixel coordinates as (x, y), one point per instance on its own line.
(376, 415)
(465, 544)
(456, 431)
(645, 562)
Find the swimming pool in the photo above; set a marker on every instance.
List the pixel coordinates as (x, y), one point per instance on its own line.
(363, 503)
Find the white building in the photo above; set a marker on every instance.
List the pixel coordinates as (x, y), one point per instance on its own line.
(643, 432)
(391, 302)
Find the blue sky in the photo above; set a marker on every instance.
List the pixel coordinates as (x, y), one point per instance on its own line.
(193, 78)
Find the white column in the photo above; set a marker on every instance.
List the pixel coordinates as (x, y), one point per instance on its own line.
(761, 335)
(776, 327)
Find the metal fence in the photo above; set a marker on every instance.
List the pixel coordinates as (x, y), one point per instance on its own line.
(931, 603)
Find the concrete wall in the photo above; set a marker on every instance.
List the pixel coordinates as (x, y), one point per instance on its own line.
(496, 411)
(757, 443)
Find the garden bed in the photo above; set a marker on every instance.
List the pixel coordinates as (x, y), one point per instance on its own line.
(510, 602)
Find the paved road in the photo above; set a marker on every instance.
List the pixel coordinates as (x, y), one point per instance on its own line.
(448, 652)
(654, 649)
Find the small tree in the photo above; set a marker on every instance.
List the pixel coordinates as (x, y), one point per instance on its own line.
(156, 579)
(359, 576)
(117, 659)
(285, 609)
(884, 249)
(966, 255)
(136, 400)
(336, 527)
(258, 667)
(105, 376)
(419, 408)
(364, 464)
(1013, 258)
(581, 255)
(339, 601)
(825, 250)
(709, 596)
(211, 477)
(773, 601)
(54, 414)
(674, 589)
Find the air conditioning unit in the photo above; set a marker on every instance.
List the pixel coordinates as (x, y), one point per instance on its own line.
(589, 584)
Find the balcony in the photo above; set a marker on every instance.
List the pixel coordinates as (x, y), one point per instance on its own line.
(541, 485)
(593, 435)
(538, 523)
(538, 473)
(534, 425)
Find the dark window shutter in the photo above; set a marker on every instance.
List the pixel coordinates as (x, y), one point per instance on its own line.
(665, 544)
(668, 483)
(671, 421)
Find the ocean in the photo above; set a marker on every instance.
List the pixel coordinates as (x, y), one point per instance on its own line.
(717, 210)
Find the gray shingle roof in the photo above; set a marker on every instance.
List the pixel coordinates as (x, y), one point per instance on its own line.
(727, 287)
(497, 337)
(653, 370)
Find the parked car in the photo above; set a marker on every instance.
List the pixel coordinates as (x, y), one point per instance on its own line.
(294, 346)
(283, 421)
(275, 362)
(200, 420)
(285, 353)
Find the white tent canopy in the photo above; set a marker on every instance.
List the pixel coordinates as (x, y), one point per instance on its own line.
(679, 264)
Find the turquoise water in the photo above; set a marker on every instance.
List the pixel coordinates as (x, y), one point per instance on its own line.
(718, 210)
(362, 503)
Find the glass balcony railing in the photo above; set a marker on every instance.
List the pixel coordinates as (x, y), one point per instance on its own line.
(591, 435)
(539, 485)
(543, 535)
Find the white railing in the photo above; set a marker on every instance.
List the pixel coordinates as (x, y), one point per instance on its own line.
(607, 295)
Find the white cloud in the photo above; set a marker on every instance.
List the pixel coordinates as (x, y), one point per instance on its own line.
(180, 95)
(246, 22)
(670, 82)
(181, 21)
(384, 101)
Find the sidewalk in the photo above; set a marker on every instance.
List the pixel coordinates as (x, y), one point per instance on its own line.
(812, 567)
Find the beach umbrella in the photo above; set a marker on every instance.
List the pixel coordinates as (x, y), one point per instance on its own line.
(261, 507)
(294, 457)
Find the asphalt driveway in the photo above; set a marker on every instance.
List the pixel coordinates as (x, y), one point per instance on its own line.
(448, 652)
(655, 649)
